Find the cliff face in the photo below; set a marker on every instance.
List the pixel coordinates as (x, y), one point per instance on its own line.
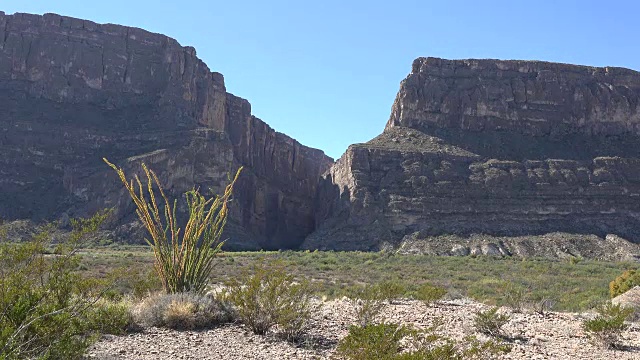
(504, 148)
(72, 92)
(523, 109)
(507, 149)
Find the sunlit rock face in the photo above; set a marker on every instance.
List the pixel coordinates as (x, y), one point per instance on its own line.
(73, 91)
(502, 148)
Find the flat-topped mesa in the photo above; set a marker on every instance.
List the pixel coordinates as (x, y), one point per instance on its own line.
(542, 109)
(508, 149)
(73, 91)
(76, 61)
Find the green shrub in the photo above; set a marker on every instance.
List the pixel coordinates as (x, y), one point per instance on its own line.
(110, 317)
(447, 349)
(476, 349)
(429, 294)
(606, 327)
(390, 290)
(368, 303)
(48, 309)
(141, 284)
(372, 341)
(575, 260)
(490, 322)
(624, 283)
(184, 256)
(293, 321)
(515, 296)
(397, 342)
(270, 297)
(182, 311)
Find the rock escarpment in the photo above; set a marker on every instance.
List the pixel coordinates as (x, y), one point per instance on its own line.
(73, 91)
(501, 148)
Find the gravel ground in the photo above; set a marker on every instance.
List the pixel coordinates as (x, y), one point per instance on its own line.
(554, 336)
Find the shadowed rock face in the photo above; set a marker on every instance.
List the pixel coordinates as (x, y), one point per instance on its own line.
(507, 149)
(504, 148)
(72, 92)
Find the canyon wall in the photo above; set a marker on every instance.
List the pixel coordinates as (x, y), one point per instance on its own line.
(473, 149)
(73, 91)
(504, 148)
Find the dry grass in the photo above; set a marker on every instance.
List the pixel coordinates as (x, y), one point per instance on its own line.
(184, 311)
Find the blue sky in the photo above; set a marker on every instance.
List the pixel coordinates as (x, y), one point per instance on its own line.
(326, 72)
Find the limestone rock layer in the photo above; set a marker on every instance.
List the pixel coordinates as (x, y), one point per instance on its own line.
(474, 149)
(500, 148)
(73, 91)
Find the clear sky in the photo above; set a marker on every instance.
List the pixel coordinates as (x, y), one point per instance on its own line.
(326, 72)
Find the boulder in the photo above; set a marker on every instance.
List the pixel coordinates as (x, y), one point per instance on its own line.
(631, 300)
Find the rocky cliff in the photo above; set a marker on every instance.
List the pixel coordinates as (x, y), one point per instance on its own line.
(73, 91)
(501, 148)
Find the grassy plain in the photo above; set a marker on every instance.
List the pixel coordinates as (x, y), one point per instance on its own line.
(572, 285)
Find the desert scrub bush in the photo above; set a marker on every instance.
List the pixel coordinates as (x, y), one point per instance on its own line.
(184, 259)
(390, 290)
(373, 341)
(606, 327)
(182, 311)
(575, 260)
(476, 349)
(143, 284)
(515, 296)
(368, 303)
(625, 282)
(388, 341)
(109, 317)
(47, 308)
(294, 320)
(442, 348)
(490, 322)
(542, 305)
(429, 294)
(268, 297)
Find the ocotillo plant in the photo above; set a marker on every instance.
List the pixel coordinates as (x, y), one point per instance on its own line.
(183, 263)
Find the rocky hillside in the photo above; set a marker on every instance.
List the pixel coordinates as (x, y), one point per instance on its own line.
(500, 148)
(73, 91)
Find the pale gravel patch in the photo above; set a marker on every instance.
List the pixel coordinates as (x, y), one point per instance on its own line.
(554, 336)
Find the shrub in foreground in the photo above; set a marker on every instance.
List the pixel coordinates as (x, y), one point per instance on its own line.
(387, 341)
(373, 341)
(368, 302)
(606, 327)
(107, 317)
(490, 322)
(269, 297)
(47, 308)
(182, 311)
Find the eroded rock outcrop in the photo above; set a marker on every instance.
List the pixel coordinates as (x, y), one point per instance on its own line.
(501, 148)
(73, 91)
